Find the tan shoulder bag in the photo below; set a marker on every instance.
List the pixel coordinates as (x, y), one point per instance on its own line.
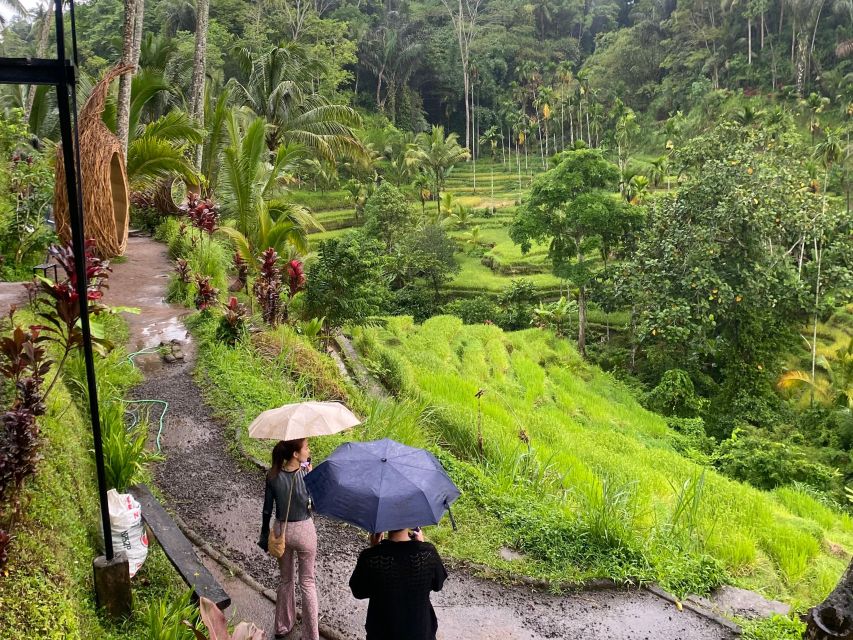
(276, 543)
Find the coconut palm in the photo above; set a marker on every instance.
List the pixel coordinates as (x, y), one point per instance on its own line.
(437, 154)
(279, 88)
(251, 189)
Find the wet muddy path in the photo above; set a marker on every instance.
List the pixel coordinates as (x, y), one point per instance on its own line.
(220, 497)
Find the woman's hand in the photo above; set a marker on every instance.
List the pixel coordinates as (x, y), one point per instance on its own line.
(417, 534)
(374, 538)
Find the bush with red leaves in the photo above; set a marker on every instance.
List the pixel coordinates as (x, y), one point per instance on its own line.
(295, 277)
(206, 294)
(267, 287)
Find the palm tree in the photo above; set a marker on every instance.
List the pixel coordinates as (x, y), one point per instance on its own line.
(157, 151)
(197, 102)
(834, 388)
(279, 88)
(659, 170)
(490, 137)
(257, 217)
(815, 104)
(437, 154)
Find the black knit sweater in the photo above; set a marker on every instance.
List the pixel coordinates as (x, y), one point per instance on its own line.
(398, 578)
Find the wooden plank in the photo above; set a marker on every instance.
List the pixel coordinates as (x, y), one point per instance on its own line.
(178, 549)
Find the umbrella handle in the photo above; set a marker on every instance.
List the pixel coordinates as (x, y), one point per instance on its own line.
(450, 513)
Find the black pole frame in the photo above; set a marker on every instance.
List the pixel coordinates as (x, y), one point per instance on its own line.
(62, 74)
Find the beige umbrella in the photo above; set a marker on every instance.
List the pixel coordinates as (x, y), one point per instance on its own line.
(302, 420)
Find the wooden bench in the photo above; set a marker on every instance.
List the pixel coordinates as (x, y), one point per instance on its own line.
(178, 549)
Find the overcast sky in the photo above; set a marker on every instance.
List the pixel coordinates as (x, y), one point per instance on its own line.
(7, 13)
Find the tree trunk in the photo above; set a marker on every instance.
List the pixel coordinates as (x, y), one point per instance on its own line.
(582, 320)
(199, 71)
(41, 49)
(749, 39)
(571, 128)
(833, 618)
(123, 107)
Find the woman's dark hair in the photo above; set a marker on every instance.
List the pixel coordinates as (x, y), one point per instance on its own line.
(281, 453)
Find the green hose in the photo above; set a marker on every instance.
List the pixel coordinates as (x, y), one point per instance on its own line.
(165, 404)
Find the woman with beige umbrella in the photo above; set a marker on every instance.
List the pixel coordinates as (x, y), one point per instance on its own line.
(293, 536)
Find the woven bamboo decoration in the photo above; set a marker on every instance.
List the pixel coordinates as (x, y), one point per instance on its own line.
(106, 193)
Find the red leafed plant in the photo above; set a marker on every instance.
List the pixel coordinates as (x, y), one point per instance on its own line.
(203, 213)
(182, 270)
(267, 287)
(295, 276)
(59, 307)
(24, 363)
(241, 266)
(206, 294)
(232, 324)
(217, 625)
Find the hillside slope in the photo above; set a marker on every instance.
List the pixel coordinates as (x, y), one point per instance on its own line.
(584, 481)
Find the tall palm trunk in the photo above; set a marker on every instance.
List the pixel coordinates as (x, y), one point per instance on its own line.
(41, 49)
(123, 108)
(199, 68)
(571, 127)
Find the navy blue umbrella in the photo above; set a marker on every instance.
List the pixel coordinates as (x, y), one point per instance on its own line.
(381, 486)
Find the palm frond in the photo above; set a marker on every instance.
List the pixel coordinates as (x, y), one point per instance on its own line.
(175, 127)
(151, 160)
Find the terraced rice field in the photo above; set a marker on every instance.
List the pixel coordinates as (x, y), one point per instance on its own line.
(488, 258)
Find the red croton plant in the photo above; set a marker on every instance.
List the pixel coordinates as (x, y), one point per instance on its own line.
(24, 364)
(202, 212)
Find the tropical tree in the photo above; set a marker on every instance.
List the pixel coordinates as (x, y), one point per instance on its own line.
(157, 152)
(569, 206)
(490, 138)
(659, 170)
(834, 388)
(131, 48)
(279, 88)
(251, 190)
(197, 101)
(437, 154)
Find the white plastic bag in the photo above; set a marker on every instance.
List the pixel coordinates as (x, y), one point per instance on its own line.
(127, 530)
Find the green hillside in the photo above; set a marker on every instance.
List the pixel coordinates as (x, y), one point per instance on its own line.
(613, 495)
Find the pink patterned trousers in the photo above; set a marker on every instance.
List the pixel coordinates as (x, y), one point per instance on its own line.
(300, 545)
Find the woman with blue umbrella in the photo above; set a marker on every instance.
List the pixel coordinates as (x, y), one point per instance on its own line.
(386, 486)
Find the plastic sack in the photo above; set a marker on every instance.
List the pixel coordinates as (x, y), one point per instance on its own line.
(127, 530)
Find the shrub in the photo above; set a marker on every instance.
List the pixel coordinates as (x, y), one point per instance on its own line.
(690, 439)
(232, 324)
(478, 310)
(267, 287)
(415, 301)
(516, 303)
(124, 448)
(675, 396)
(206, 294)
(752, 457)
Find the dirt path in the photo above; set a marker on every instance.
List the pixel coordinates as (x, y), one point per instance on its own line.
(220, 497)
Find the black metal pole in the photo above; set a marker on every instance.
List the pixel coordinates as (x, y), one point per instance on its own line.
(66, 99)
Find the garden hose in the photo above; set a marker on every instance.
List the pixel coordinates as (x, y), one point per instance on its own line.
(165, 404)
(162, 415)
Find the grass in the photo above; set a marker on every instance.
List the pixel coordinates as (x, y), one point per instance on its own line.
(46, 590)
(600, 467)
